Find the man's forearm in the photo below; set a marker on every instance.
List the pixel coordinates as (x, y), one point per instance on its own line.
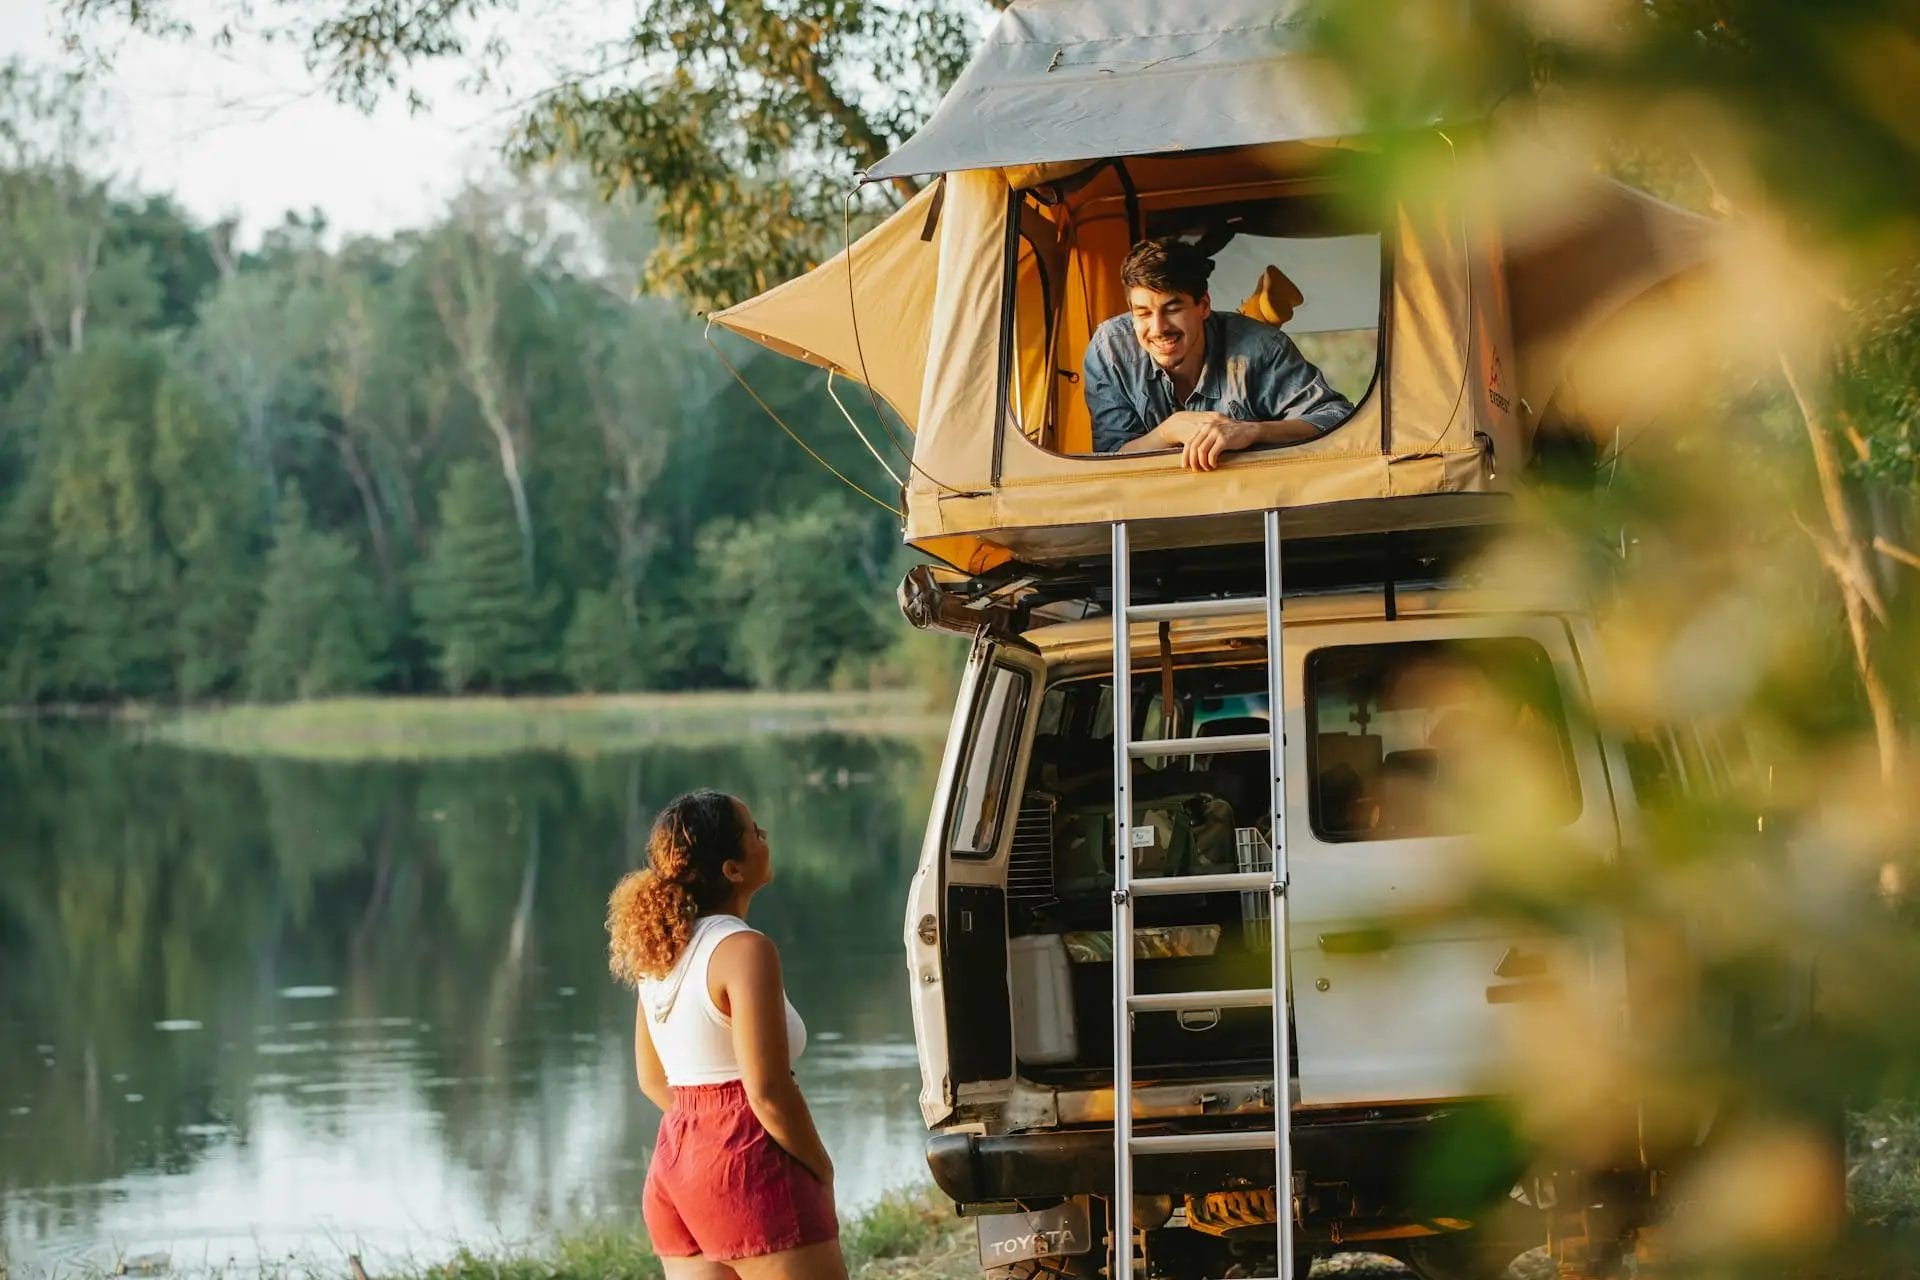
(1287, 431)
(1154, 439)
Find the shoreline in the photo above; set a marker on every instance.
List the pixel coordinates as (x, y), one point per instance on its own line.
(419, 728)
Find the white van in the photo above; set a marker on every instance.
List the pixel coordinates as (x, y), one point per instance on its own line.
(1402, 1012)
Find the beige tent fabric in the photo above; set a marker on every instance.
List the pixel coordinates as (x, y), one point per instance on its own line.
(1568, 275)
(1449, 416)
(960, 398)
(878, 333)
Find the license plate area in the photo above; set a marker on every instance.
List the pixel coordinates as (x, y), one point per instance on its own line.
(1043, 1233)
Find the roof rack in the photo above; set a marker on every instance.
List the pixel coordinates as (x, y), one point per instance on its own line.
(1015, 597)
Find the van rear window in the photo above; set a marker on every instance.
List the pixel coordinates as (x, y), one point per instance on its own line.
(989, 768)
(1435, 737)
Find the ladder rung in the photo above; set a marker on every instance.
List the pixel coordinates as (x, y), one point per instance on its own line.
(1223, 882)
(1224, 744)
(1195, 609)
(1238, 1140)
(1177, 1001)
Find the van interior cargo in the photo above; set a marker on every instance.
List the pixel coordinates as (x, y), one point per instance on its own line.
(1392, 728)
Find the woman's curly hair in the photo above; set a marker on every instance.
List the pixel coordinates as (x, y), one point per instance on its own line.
(651, 913)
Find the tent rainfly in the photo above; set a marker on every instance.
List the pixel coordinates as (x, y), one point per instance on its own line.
(1080, 128)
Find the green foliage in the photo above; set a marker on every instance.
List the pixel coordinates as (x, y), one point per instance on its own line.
(478, 606)
(798, 591)
(148, 532)
(158, 398)
(918, 1224)
(742, 122)
(1878, 377)
(1749, 560)
(598, 652)
(209, 519)
(319, 627)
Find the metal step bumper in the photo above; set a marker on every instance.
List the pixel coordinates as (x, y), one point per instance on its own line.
(1376, 1150)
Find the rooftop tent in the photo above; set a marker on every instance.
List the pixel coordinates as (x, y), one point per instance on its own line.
(971, 307)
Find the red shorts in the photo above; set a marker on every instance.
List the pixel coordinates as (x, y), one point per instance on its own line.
(720, 1187)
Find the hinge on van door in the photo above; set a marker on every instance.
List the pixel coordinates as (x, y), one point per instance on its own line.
(928, 930)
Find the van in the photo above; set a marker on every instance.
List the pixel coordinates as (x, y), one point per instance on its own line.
(1399, 675)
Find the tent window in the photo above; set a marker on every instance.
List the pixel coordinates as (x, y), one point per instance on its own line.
(1295, 259)
(1035, 310)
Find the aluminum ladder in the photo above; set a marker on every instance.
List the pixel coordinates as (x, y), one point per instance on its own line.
(1127, 1146)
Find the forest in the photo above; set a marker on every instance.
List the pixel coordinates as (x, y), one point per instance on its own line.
(477, 455)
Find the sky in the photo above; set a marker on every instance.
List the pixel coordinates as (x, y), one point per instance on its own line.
(252, 133)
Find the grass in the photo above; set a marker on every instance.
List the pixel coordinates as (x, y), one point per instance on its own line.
(910, 1235)
(348, 729)
(915, 1235)
(1883, 1182)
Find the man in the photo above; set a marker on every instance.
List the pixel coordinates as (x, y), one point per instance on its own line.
(1173, 373)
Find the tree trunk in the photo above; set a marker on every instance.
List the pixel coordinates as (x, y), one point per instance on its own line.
(469, 307)
(522, 513)
(1846, 559)
(80, 276)
(369, 504)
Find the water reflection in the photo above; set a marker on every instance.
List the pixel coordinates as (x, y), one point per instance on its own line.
(257, 1008)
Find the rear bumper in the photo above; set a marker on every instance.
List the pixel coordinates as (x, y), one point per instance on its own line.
(1374, 1153)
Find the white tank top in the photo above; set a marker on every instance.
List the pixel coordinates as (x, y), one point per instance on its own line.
(692, 1037)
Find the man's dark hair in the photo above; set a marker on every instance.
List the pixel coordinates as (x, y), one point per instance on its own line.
(1167, 264)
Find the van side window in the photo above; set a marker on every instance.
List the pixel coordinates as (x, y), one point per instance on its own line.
(1396, 732)
(989, 767)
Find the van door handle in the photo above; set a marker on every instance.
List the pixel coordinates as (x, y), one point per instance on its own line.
(1518, 963)
(1354, 942)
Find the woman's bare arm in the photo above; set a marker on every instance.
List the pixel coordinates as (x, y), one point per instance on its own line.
(646, 1061)
(744, 979)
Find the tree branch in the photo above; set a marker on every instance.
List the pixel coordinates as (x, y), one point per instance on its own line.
(1899, 553)
(855, 128)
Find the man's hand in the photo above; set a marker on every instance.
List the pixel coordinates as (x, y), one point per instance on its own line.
(1204, 436)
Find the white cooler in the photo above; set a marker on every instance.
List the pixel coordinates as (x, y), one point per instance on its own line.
(1038, 971)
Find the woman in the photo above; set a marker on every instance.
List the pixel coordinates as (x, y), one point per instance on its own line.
(740, 1181)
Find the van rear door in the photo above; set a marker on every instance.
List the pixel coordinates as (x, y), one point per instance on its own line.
(1398, 994)
(956, 934)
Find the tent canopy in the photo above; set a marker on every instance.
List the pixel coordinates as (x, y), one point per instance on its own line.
(1093, 79)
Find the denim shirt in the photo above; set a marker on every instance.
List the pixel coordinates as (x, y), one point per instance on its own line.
(1253, 373)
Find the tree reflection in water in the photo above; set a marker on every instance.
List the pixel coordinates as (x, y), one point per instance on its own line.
(390, 978)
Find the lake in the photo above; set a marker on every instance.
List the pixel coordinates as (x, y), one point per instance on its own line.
(253, 1009)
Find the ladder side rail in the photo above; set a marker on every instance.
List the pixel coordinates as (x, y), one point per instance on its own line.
(1278, 934)
(1120, 1217)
